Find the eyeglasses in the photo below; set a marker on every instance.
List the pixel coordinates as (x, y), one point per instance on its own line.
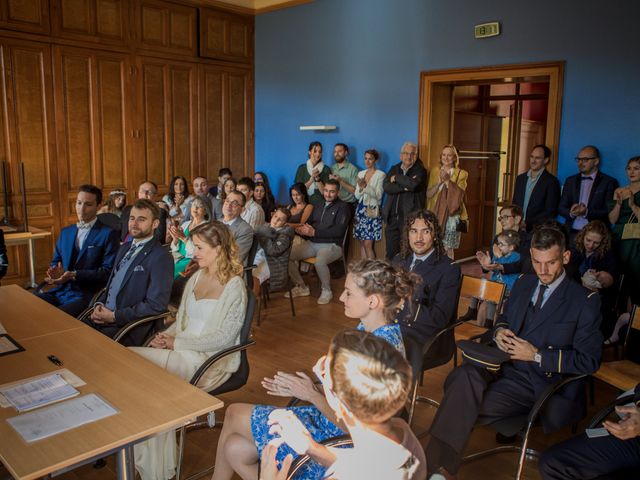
(148, 192)
(412, 154)
(233, 203)
(584, 159)
(504, 217)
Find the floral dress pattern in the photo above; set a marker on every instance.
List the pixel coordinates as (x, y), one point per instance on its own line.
(319, 426)
(367, 228)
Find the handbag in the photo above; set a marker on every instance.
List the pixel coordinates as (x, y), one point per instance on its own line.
(631, 230)
(483, 355)
(372, 211)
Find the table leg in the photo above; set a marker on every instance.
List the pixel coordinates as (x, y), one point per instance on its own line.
(32, 264)
(125, 469)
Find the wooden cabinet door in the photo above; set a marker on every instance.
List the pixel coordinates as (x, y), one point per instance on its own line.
(166, 27)
(104, 21)
(226, 36)
(25, 16)
(168, 120)
(92, 119)
(226, 121)
(26, 135)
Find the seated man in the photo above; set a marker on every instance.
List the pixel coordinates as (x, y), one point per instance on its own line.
(140, 283)
(615, 456)
(201, 189)
(423, 253)
(147, 190)
(252, 212)
(324, 231)
(550, 327)
(83, 257)
(242, 233)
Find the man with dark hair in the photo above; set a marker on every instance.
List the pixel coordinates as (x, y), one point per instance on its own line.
(585, 195)
(224, 174)
(140, 283)
(147, 190)
(550, 327)
(201, 189)
(242, 232)
(434, 303)
(323, 233)
(406, 189)
(346, 173)
(537, 191)
(83, 257)
(252, 212)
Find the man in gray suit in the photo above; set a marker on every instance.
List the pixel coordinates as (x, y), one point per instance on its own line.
(242, 232)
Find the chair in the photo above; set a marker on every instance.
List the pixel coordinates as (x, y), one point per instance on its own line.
(251, 259)
(111, 220)
(624, 374)
(236, 381)
(312, 260)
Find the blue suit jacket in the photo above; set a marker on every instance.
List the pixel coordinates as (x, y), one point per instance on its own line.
(567, 333)
(601, 192)
(146, 287)
(92, 265)
(544, 199)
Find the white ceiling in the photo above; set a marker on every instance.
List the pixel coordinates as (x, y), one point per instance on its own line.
(258, 6)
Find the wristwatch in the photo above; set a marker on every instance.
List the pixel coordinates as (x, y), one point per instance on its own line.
(537, 357)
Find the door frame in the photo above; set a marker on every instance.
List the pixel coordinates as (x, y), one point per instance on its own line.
(435, 121)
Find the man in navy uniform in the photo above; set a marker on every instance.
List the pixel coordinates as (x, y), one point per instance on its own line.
(140, 283)
(550, 327)
(434, 305)
(83, 257)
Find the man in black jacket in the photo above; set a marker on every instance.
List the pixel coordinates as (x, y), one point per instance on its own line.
(406, 188)
(537, 192)
(324, 231)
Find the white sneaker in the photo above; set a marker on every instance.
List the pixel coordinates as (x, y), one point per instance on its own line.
(299, 291)
(325, 296)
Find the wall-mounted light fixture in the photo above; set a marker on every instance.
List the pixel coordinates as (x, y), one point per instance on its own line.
(318, 128)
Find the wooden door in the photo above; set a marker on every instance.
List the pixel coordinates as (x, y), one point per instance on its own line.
(26, 135)
(168, 120)
(92, 118)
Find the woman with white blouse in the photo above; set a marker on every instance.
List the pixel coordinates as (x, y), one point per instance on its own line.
(368, 224)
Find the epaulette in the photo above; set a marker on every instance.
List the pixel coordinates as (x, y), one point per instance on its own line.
(520, 276)
(591, 294)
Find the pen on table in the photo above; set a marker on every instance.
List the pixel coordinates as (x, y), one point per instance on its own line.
(55, 360)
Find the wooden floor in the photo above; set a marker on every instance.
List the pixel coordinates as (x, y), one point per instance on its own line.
(290, 344)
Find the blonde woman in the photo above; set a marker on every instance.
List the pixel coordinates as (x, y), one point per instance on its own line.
(445, 197)
(209, 320)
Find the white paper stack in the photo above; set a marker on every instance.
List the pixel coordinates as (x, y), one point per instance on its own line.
(39, 392)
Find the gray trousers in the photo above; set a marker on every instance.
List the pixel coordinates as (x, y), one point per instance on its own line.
(325, 253)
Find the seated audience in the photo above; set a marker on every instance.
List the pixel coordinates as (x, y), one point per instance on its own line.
(624, 214)
(115, 203)
(181, 245)
(405, 186)
(147, 191)
(550, 326)
(210, 318)
(345, 173)
(178, 198)
(240, 230)
(423, 253)
(228, 186)
(300, 206)
(368, 192)
(537, 191)
(224, 174)
(83, 257)
(140, 283)
(585, 195)
(324, 233)
(314, 173)
(252, 212)
(595, 267)
(609, 457)
(365, 382)
(373, 292)
(201, 189)
(4, 261)
(261, 197)
(445, 197)
(275, 240)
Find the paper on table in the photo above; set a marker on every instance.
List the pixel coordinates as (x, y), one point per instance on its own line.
(70, 377)
(61, 417)
(2, 329)
(37, 393)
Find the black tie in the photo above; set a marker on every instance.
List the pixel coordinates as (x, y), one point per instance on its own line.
(416, 263)
(541, 290)
(587, 178)
(127, 256)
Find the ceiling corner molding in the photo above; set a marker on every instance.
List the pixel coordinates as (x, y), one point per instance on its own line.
(251, 7)
(265, 6)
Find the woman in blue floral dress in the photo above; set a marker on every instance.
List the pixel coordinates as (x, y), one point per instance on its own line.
(368, 224)
(374, 291)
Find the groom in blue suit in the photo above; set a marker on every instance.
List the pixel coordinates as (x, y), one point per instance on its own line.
(83, 257)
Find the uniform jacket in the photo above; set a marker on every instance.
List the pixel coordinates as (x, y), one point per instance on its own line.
(544, 199)
(601, 192)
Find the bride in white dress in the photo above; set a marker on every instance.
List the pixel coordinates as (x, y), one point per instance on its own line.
(209, 319)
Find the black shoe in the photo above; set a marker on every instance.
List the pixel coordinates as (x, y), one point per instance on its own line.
(506, 439)
(471, 314)
(100, 463)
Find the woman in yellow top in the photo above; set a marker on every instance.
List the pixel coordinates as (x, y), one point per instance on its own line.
(445, 197)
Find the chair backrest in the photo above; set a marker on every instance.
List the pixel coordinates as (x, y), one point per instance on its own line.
(482, 289)
(632, 338)
(111, 220)
(251, 258)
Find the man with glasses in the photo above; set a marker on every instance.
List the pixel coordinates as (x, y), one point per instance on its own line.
(406, 188)
(147, 191)
(537, 191)
(242, 232)
(585, 195)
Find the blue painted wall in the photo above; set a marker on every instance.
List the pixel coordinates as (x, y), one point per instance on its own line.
(356, 64)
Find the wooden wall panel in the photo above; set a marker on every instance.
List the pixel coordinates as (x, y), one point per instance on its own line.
(226, 36)
(155, 141)
(183, 88)
(212, 121)
(168, 27)
(27, 16)
(238, 122)
(104, 21)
